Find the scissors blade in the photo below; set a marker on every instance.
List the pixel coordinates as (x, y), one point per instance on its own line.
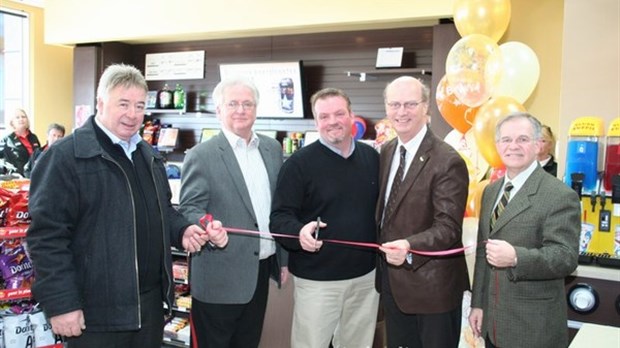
(318, 227)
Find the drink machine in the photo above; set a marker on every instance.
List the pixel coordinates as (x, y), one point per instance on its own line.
(583, 151)
(599, 191)
(612, 154)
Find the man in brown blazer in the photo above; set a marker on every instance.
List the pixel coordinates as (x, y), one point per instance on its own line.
(521, 261)
(421, 207)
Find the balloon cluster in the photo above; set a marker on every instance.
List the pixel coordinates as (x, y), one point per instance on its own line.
(484, 82)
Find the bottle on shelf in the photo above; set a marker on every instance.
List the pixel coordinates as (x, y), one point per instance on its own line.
(179, 97)
(164, 98)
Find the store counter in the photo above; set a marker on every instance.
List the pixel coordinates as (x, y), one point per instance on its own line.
(593, 335)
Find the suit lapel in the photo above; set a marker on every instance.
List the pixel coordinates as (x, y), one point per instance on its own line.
(387, 154)
(268, 159)
(234, 171)
(417, 165)
(520, 202)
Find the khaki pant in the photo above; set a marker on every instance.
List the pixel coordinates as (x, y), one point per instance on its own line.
(343, 309)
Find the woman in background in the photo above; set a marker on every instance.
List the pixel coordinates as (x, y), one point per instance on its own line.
(17, 147)
(545, 155)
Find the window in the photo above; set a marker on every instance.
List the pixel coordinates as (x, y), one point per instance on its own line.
(14, 58)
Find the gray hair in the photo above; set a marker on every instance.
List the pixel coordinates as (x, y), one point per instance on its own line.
(57, 127)
(536, 125)
(426, 92)
(218, 92)
(120, 75)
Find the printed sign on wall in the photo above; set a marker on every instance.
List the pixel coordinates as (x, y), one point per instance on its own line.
(175, 66)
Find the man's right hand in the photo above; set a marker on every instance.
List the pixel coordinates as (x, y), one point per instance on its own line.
(69, 324)
(475, 321)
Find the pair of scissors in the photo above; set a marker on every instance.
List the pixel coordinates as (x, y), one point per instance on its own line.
(316, 231)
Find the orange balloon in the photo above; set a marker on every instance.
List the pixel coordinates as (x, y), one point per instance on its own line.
(484, 126)
(457, 114)
(486, 17)
(474, 199)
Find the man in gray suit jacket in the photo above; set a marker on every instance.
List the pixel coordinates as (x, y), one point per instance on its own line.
(526, 247)
(232, 177)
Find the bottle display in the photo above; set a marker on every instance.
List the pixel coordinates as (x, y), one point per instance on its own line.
(164, 98)
(287, 94)
(179, 97)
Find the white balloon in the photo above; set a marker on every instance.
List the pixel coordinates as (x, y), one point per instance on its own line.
(521, 71)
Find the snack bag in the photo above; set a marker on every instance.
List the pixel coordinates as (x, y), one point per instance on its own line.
(18, 331)
(18, 213)
(43, 335)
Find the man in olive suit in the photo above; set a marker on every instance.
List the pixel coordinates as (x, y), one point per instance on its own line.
(528, 239)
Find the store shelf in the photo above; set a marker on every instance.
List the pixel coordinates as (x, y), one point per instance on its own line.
(15, 294)
(180, 309)
(164, 111)
(173, 342)
(372, 74)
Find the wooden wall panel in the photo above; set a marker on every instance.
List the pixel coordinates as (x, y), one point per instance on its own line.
(327, 58)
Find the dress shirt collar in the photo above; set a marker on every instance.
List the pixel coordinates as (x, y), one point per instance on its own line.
(520, 179)
(128, 146)
(337, 150)
(237, 142)
(413, 145)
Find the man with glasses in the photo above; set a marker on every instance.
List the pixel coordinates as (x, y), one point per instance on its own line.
(528, 242)
(423, 193)
(232, 176)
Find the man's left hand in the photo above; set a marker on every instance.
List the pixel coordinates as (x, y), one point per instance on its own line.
(500, 253)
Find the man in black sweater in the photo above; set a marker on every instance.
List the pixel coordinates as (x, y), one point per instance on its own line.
(336, 179)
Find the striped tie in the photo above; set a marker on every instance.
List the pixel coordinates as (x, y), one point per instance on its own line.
(398, 178)
(499, 209)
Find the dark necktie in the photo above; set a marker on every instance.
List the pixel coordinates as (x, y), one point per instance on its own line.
(398, 178)
(499, 209)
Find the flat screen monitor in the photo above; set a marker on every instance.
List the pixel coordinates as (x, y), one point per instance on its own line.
(208, 133)
(310, 137)
(269, 133)
(280, 85)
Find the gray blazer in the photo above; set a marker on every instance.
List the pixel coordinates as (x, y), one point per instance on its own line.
(212, 182)
(525, 306)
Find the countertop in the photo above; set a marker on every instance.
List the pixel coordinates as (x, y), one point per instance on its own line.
(593, 335)
(597, 272)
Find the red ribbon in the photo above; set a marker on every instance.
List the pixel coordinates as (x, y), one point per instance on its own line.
(209, 218)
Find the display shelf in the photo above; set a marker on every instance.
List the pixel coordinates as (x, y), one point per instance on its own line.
(174, 343)
(177, 252)
(165, 111)
(13, 232)
(180, 309)
(372, 74)
(15, 294)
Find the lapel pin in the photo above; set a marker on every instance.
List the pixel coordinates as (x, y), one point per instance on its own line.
(421, 159)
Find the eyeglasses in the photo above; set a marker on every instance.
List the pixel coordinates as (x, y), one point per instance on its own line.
(246, 105)
(410, 105)
(522, 140)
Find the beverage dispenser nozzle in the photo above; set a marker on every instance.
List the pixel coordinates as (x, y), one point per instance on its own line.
(593, 201)
(615, 194)
(577, 182)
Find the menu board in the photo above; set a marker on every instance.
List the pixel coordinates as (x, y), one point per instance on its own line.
(174, 66)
